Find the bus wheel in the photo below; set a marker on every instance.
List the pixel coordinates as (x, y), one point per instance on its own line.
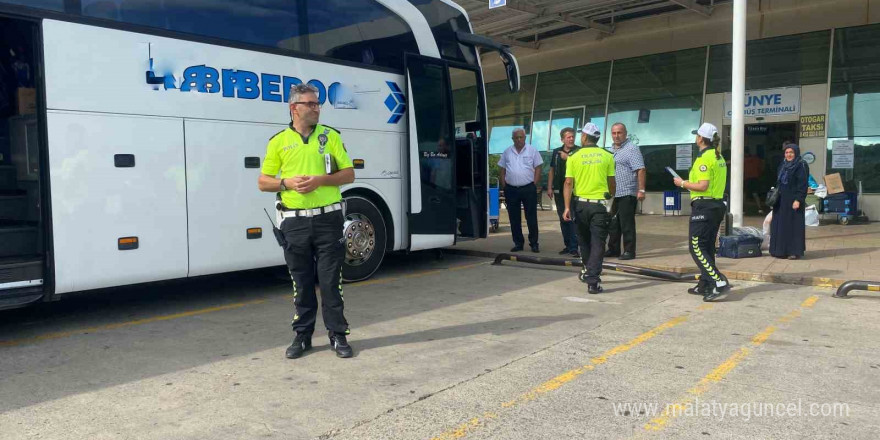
(364, 234)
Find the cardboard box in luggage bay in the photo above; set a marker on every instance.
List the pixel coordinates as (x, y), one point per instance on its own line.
(740, 246)
(26, 100)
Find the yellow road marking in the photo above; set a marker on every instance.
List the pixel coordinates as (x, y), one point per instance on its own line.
(810, 301)
(113, 326)
(58, 335)
(722, 370)
(560, 380)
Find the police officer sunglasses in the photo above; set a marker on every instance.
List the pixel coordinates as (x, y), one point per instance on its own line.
(314, 105)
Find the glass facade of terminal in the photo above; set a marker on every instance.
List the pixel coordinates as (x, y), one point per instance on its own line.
(660, 97)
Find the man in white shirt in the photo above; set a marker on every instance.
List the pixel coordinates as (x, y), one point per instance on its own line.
(520, 169)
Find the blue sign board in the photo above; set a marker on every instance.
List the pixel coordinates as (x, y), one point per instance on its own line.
(497, 3)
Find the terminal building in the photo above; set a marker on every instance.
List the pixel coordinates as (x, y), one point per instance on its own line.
(663, 67)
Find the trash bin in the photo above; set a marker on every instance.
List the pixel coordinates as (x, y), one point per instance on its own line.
(672, 201)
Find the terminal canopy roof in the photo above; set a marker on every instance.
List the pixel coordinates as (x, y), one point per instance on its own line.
(526, 23)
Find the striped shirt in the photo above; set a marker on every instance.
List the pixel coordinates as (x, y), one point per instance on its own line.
(627, 161)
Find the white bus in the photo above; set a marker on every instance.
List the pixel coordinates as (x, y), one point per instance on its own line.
(132, 131)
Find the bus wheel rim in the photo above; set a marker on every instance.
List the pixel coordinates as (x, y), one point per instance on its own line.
(360, 239)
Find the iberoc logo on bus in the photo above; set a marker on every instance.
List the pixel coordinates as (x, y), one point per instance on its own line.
(243, 84)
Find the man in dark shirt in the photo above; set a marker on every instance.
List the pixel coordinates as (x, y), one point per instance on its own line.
(555, 182)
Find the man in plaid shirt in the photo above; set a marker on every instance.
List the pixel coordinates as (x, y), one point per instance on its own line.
(630, 174)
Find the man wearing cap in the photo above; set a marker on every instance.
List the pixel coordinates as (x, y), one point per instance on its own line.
(555, 183)
(706, 182)
(520, 169)
(630, 179)
(589, 175)
(312, 163)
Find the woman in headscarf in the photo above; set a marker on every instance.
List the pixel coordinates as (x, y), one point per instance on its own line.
(787, 230)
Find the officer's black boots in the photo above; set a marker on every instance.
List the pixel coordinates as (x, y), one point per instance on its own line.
(301, 343)
(594, 288)
(717, 293)
(340, 345)
(699, 289)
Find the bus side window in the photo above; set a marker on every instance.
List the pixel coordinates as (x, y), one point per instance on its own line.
(361, 31)
(262, 22)
(54, 5)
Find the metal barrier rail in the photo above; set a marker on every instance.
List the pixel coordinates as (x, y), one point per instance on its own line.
(843, 290)
(656, 273)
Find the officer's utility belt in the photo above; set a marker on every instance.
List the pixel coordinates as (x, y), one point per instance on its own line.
(599, 201)
(694, 199)
(285, 212)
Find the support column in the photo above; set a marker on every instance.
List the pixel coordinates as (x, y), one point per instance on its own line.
(737, 128)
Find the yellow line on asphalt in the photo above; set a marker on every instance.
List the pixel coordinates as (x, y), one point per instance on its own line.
(722, 370)
(58, 335)
(560, 380)
(810, 301)
(65, 334)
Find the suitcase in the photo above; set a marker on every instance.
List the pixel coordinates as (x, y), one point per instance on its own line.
(841, 203)
(740, 246)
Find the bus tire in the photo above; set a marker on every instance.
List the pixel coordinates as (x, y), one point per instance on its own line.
(364, 233)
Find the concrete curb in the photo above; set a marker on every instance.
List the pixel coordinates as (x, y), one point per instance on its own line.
(831, 283)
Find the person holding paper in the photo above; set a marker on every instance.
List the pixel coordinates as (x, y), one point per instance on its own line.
(788, 228)
(706, 182)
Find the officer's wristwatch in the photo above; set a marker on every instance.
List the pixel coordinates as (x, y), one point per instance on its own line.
(283, 188)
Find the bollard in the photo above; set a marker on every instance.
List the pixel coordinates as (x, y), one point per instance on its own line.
(549, 261)
(843, 290)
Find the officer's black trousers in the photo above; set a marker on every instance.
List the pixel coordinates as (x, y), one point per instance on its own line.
(623, 223)
(314, 245)
(706, 218)
(592, 231)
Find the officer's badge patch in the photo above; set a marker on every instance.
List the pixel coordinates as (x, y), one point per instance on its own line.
(703, 168)
(322, 139)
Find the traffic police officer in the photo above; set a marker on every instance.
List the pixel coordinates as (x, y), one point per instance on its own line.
(589, 174)
(313, 164)
(706, 182)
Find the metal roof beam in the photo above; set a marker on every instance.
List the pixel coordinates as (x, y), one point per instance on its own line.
(517, 5)
(517, 43)
(694, 6)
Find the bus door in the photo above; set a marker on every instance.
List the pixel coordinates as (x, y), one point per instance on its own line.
(431, 154)
(471, 154)
(24, 273)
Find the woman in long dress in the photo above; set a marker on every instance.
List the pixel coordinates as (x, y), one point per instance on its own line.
(788, 229)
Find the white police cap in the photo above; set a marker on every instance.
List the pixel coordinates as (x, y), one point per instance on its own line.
(591, 129)
(706, 130)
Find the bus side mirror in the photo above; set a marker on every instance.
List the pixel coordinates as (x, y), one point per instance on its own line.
(511, 68)
(510, 65)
